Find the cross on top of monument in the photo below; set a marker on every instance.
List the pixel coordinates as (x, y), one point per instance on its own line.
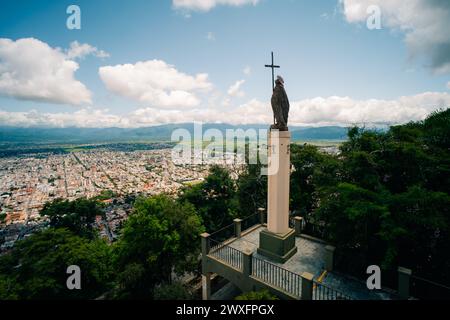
(273, 66)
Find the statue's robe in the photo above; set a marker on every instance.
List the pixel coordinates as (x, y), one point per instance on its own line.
(280, 107)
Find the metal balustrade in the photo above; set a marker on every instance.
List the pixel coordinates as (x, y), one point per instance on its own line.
(223, 234)
(425, 289)
(229, 232)
(263, 270)
(227, 254)
(315, 228)
(277, 277)
(323, 292)
(292, 222)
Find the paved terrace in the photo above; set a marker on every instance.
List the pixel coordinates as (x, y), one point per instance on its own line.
(310, 257)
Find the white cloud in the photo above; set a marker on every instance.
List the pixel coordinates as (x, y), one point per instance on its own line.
(235, 89)
(156, 83)
(80, 51)
(345, 111)
(335, 110)
(206, 5)
(31, 70)
(252, 112)
(332, 111)
(247, 70)
(83, 118)
(226, 102)
(325, 16)
(309, 112)
(448, 85)
(425, 24)
(210, 36)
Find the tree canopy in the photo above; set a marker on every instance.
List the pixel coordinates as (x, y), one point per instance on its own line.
(385, 198)
(78, 216)
(215, 199)
(36, 267)
(263, 295)
(161, 237)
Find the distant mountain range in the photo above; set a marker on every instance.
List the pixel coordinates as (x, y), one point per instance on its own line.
(156, 133)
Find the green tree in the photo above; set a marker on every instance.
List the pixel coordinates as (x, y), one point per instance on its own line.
(436, 136)
(251, 190)
(417, 231)
(389, 204)
(160, 237)
(36, 267)
(313, 171)
(257, 295)
(173, 291)
(215, 199)
(78, 216)
(352, 216)
(130, 281)
(9, 288)
(105, 195)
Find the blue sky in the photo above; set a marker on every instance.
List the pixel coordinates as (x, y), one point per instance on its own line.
(337, 71)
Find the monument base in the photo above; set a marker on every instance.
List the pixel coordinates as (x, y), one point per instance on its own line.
(278, 247)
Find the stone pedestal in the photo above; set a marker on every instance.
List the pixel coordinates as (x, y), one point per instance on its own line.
(277, 247)
(278, 240)
(278, 181)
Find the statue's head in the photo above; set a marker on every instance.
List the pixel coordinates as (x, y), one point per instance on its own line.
(279, 80)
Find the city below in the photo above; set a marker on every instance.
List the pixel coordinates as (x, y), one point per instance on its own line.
(115, 174)
(27, 182)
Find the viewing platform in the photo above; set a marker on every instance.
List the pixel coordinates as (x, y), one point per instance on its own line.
(232, 253)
